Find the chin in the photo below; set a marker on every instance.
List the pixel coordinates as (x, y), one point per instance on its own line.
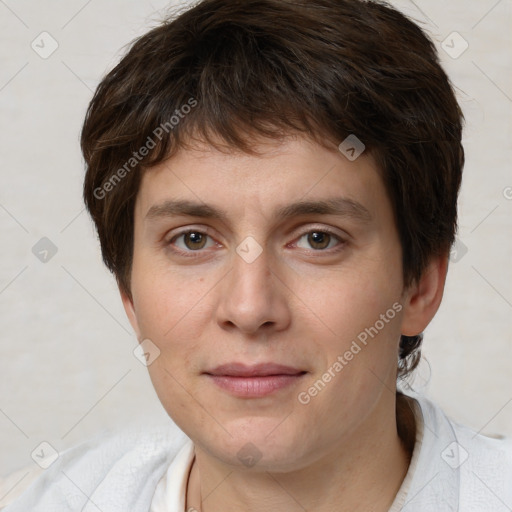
(259, 444)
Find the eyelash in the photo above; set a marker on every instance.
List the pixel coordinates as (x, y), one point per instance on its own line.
(196, 254)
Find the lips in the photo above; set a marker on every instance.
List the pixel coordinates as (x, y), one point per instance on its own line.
(259, 370)
(254, 381)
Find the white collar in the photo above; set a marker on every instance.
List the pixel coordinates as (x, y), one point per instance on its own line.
(172, 489)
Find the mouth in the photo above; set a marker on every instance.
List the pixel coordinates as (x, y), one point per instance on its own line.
(254, 381)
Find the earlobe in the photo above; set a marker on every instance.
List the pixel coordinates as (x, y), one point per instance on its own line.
(130, 312)
(422, 299)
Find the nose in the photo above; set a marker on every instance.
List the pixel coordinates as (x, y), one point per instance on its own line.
(253, 298)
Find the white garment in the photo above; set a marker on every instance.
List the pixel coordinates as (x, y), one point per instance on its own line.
(171, 491)
(435, 482)
(452, 470)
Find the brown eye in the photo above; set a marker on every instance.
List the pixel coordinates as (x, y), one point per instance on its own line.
(319, 240)
(194, 241)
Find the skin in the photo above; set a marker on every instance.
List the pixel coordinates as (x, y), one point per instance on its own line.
(299, 303)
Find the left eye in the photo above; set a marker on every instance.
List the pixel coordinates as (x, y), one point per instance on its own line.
(319, 240)
(192, 241)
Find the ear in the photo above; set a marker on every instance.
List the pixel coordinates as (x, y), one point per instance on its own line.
(422, 299)
(130, 312)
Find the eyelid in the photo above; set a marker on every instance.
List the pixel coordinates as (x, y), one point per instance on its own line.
(338, 233)
(204, 230)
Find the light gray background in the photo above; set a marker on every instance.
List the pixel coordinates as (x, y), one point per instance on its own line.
(66, 368)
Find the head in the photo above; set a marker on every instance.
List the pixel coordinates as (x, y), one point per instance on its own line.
(226, 122)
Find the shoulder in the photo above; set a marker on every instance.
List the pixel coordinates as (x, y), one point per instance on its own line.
(114, 472)
(476, 468)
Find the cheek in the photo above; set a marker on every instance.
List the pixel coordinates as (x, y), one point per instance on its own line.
(170, 313)
(359, 316)
(166, 302)
(174, 311)
(345, 303)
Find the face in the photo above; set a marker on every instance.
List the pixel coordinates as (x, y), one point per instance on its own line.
(272, 286)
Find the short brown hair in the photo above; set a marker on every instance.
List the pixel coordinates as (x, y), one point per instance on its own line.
(326, 69)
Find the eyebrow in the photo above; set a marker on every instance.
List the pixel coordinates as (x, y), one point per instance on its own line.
(338, 206)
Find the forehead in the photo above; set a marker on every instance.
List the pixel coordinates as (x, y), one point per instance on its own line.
(290, 171)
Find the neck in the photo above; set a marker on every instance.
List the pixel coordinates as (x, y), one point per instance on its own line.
(363, 471)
